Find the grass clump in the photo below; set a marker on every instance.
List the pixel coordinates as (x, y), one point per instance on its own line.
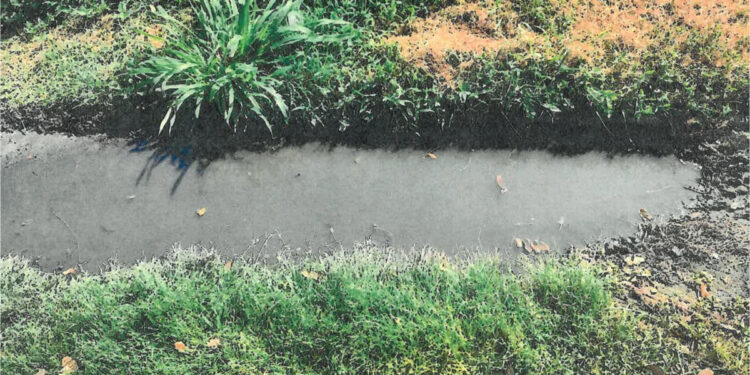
(236, 57)
(362, 312)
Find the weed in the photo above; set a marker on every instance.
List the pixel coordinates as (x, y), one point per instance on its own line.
(237, 58)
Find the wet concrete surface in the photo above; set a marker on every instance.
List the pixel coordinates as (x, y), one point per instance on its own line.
(71, 201)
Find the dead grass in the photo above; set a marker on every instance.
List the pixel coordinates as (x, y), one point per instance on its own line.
(464, 30)
(600, 32)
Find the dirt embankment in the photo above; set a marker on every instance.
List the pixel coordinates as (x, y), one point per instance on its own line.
(690, 275)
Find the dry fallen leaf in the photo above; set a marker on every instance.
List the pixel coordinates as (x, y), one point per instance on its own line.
(29, 157)
(228, 266)
(499, 180)
(201, 211)
(41, 372)
(213, 343)
(704, 291)
(695, 215)
(706, 371)
(68, 365)
(657, 299)
(633, 260)
(645, 215)
(519, 242)
(70, 271)
(310, 274)
(431, 155)
(535, 246)
(180, 346)
(540, 246)
(682, 305)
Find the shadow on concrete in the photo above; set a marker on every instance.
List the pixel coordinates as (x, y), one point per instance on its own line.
(195, 143)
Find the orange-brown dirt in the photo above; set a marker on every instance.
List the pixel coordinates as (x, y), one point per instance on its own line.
(447, 41)
(466, 30)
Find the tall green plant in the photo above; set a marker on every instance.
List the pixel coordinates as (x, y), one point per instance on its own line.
(237, 57)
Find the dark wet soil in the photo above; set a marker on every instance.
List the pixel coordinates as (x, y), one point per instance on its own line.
(713, 237)
(690, 275)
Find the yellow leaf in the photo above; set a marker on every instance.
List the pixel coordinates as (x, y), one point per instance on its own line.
(431, 155)
(310, 274)
(228, 266)
(201, 211)
(213, 343)
(68, 365)
(519, 242)
(180, 346)
(70, 271)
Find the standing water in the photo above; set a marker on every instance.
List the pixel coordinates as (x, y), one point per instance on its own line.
(70, 201)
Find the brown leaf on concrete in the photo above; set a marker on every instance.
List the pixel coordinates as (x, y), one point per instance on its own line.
(70, 271)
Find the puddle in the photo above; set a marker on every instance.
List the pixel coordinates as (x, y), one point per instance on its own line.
(70, 201)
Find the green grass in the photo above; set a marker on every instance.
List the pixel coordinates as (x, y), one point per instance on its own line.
(368, 311)
(236, 58)
(326, 62)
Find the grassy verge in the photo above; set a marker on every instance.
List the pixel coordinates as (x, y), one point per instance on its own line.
(409, 63)
(361, 313)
